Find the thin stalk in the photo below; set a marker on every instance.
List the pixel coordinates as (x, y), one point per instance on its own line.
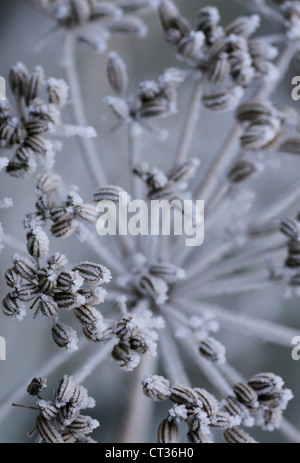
(229, 373)
(191, 117)
(172, 363)
(289, 431)
(93, 362)
(135, 183)
(268, 12)
(105, 254)
(209, 370)
(88, 149)
(24, 406)
(138, 417)
(212, 178)
(213, 253)
(232, 285)
(231, 265)
(240, 323)
(282, 64)
(14, 243)
(134, 159)
(278, 204)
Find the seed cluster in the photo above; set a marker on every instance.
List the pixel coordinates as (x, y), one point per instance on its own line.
(260, 401)
(94, 22)
(157, 281)
(53, 288)
(227, 58)
(65, 214)
(137, 335)
(37, 118)
(195, 406)
(153, 99)
(169, 185)
(60, 420)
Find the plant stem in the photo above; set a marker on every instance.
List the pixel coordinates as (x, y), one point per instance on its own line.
(230, 285)
(278, 204)
(88, 149)
(139, 408)
(133, 161)
(231, 265)
(209, 370)
(191, 345)
(289, 431)
(14, 243)
(105, 254)
(240, 323)
(190, 122)
(135, 184)
(212, 178)
(172, 363)
(93, 362)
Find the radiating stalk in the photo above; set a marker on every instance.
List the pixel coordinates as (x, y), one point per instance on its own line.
(191, 117)
(93, 361)
(90, 155)
(139, 409)
(240, 323)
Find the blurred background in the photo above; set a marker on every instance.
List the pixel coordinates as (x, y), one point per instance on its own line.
(29, 342)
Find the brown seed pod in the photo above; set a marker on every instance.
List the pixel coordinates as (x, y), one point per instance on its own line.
(48, 307)
(245, 394)
(117, 73)
(167, 432)
(36, 386)
(184, 395)
(47, 431)
(65, 336)
(64, 390)
(212, 350)
(238, 436)
(156, 387)
(35, 83)
(93, 272)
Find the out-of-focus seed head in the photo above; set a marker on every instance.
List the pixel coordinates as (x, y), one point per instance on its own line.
(117, 73)
(237, 436)
(36, 80)
(241, 171)
(48, 182)
(58, 91)
(212, 350)
(18, 79)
